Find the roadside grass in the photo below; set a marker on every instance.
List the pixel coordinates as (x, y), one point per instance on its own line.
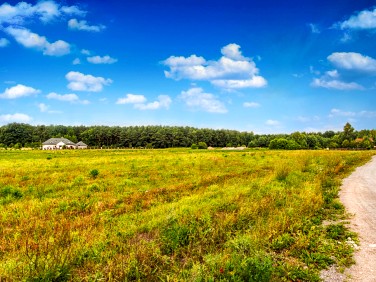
(172, 215)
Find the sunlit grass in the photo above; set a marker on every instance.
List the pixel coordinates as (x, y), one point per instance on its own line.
(174, 214)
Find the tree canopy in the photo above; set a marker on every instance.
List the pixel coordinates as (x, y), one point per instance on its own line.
(25, 135)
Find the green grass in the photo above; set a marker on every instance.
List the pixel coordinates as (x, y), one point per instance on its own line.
(172, 215)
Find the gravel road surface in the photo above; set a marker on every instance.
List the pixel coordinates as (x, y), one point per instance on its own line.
(358, 194)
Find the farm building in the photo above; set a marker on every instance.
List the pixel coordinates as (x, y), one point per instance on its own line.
(81, 145)
(60, 143)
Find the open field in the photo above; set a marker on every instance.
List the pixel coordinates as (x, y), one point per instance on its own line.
(172, 215)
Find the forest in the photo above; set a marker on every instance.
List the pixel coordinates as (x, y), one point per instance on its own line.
(20, 135)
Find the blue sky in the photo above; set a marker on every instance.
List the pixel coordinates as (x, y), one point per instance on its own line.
(262, 66)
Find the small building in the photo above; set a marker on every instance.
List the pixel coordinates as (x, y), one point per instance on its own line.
(58, 143)
(81, 145)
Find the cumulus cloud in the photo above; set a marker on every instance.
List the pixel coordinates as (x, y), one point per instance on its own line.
(353, 62)
(349, 65)
(338, 112)
(72, 98)
(101, 60)
(76, 61)
(18, 91)
(335, 84)
(83, 25)
(32, 40)
(4, 42)
(17, 117)
(251, 105)
(163, 102)
(43, 107)
(363, 20)
(139, 102)
(196, 98)
(81, 82)
(43, 10)
(85, 52)
(132, 99)
(231, 71)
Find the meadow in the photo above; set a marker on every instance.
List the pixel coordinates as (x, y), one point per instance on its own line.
(173, 214)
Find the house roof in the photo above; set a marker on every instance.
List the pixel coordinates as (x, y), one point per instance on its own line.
(55, 141)
(81, 144)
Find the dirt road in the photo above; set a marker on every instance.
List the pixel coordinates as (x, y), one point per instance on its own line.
(358, 194)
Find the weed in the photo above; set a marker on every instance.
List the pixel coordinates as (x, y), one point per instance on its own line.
(94, 173)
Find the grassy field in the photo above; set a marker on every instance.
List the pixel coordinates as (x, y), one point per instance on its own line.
(172, 215)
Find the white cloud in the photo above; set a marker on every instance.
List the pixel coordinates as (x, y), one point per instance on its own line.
(251, 105)
(335, 84)
(346, 37)
(349, 114)
(232, 70)
(313, 71)
(332, 73)
(4, 42)
(76, 61)
(32, 40)
(132, 99)
(254, 82)
(73, 10)
(232, 51)
(350, 64)
(272, 122)
(101, 60)
(363, 20)
(314, 28)
(17, 117)
(139, 102)
(83, 25)
(43, 107)
(353, 62)
(44, 10)
(367, 114)
(164, 101)
(196, 98)
(82, 82)
(85, 52)
(337, 112)
(72, 98)
(18, 91)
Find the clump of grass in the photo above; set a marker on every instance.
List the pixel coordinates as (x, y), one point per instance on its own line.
(9, 194)
(94, 173)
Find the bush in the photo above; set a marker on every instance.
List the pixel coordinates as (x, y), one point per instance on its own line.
(194, 146)
(94, 173)
(202, 145)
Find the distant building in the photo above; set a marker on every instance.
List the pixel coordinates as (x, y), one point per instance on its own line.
(81, 145)
(62, 143)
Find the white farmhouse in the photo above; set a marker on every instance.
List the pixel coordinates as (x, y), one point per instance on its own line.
(81, 145)
(58, 143)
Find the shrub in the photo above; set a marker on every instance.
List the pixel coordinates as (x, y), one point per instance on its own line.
(94, 173)
(194, 146)
(202, 145)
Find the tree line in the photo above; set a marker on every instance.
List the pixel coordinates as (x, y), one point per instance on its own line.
(18, 135)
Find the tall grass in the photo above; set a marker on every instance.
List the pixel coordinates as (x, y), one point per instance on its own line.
(173, 215)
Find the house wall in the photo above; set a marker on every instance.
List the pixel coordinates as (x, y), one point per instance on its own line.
(81, 147)
(49, 147)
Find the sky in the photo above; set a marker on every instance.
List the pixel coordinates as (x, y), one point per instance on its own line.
(263, 66)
